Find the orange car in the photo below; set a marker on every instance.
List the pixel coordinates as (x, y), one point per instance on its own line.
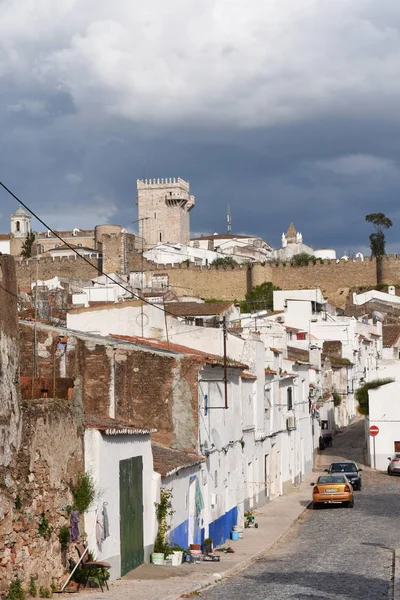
(332, 489)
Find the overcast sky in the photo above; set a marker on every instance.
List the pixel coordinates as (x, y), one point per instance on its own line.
(288, 110)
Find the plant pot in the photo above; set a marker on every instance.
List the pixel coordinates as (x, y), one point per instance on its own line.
(176, 558)
(157, 558)
(207, 548)
(195, 546)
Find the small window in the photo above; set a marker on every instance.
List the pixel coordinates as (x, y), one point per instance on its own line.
(216, 479)
(301, 336)
(79, 245)
(17, 226)
(155, 215)
(289, 398)
(160, 236)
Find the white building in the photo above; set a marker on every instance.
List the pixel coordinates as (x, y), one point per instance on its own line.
(242, 248)
(384, 412)
(117, 454)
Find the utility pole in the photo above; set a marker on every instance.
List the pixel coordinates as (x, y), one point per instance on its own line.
(140, 221)
(225, 333)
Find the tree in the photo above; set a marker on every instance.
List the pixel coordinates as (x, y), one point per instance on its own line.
(302, 259)
(361, 394)
(27, 246)
(224, 261)
(260, 297)
(377, 239)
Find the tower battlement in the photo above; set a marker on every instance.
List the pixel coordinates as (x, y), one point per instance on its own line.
(163, 183)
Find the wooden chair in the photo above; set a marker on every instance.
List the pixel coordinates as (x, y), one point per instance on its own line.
(95, 565)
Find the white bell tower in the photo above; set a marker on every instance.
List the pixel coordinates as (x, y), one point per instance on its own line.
(20, 223)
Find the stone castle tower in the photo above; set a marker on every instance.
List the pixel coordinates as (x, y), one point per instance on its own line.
(163, 210)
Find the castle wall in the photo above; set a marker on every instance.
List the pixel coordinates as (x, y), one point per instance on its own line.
(46, 268)
(211, 282)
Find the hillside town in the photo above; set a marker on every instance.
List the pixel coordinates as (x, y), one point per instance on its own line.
(124, 392)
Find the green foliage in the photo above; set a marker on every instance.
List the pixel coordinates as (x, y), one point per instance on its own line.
(27, 246)
(44, 592)
(63, 537)
(260, 297)
(337, 398)
(224, 261)
(18, 502)
(302, 259)
(163, 511)
(377, 239)
(45, 529)
(16, 591)
(361, 394)
(32, 588)
(83, 492)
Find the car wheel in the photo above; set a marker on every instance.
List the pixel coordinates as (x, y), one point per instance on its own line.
(350, 504)
(389, 471)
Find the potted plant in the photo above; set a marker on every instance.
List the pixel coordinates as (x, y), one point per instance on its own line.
(207, 545)
(177, 555)
(163, 511)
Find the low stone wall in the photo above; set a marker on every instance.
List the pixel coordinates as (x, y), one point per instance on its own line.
(37, 487)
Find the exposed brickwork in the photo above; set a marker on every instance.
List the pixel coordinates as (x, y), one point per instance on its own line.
(155, 390)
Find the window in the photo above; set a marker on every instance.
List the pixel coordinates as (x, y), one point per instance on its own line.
(216, 479)
(79, 245)
(160, 236)
(397, 446)
(155, 215)
(301, 336)
(17, 226)
(289, 398)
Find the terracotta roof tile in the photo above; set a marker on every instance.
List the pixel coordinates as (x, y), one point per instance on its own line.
(157, 344)
(270, 372)
(390, 334)
(194, 309)
(298, 354)
(111, 426)
(276, 350)
(246, 375)
(168, 461)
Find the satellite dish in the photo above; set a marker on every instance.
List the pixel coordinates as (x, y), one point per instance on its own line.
(216, 439)
(378, 316)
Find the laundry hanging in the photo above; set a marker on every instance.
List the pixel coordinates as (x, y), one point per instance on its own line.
(106, 526)
(99, 525)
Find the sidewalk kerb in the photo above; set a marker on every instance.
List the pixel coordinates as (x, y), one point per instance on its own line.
(396, 582)
(211, 580)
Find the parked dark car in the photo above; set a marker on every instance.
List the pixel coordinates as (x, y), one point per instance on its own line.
(350, 469)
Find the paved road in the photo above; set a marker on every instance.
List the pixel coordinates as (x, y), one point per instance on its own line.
(334, 553)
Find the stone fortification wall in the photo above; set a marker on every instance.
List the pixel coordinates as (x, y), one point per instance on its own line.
(211, 282)
(73, 268)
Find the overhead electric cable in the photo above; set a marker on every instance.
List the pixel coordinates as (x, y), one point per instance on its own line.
(80, 255)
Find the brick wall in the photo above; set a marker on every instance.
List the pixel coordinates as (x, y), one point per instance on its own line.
(151, 390)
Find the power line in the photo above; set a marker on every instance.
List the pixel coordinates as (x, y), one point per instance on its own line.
(80, 255)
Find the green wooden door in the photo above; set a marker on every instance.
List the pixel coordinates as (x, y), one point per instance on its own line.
(131, 513)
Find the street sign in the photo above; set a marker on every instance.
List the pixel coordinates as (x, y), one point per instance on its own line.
(373, 430)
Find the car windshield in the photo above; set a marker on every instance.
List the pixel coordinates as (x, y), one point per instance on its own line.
(343, 468)
(331, 479)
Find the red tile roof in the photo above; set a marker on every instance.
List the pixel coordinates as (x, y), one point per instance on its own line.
(111, 426)
(298, 354)
(197, 309)
(276, 350)
(270, 372)
(157, 344)
(246, 375)
(5, 236)
(390, 334)
(168, 461)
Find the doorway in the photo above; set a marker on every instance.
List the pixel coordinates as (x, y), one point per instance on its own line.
(131, 513)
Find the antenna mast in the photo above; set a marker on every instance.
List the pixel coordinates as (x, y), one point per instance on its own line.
(229, 220)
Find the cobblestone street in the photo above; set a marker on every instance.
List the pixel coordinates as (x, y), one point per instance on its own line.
(336, 553)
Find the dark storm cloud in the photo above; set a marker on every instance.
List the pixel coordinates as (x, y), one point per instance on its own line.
(283, 110)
